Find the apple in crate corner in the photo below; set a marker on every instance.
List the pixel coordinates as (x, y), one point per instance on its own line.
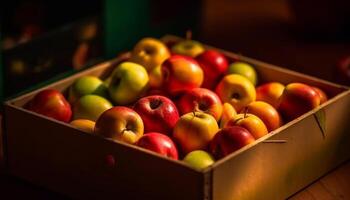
(252, 123)
(87, 85)
(51, 103)
(190, 48)
(214, 65)
(128, 82)
(270, 93)
(181, 73)
(200, 100)
(159, 143)
(236, 90)
(321, 93)
(159, 114)
(84, 125)
(120, 123)
(150, 53)
(297, 99)
(199, 159)
(245, 70)
(90, 107)
(194, 131)
(267, 113)
(228, 140)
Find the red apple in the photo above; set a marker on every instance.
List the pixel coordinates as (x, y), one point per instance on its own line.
(159, 114)
(270, 93)
(201, 100)
(158, 143)
(214, 65)
(228, 140)
(297, 99)
(51, 103)
(181, 73)
(322, 94)
(120, 123)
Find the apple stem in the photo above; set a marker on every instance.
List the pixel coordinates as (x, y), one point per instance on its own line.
(245, 112)
(189, 35)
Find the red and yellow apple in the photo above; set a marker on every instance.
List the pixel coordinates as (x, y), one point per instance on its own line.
(297, 99)
(200, 100)
(194, 131)
(270, 93)
(228, 112)
(159, 143)
(150, 53)
(158, 113)
(322, 94)
(214, 65)
(181, 73)
(51, 103)
(120, 123)
(228, 140)
(236, 90)
(252, 123)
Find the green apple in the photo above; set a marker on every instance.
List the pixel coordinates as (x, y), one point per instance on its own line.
(245, 70)
(128, 82)
(87, 85)
(90, 107)
(150, 53)
(199, 159)
(188, 48)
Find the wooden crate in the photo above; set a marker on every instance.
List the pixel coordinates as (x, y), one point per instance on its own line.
(64, 159)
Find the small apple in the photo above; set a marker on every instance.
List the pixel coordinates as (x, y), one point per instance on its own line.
(120, 123)
(150, 53)
(252, 123)
(194, 131)
(190, 48)
(245, 70)
(159, 143)
(267, 113)
(270, 93)
(236, 90)
(321, 93)
(181, 73)
(297, 99)
(84, 125)
(87, 85)
(90, 107)
(159, 114)
(128, 82)
(230, 139)
(51, 103)
(155, 77)
(228, 112)
(199, 159)
(214, 65)
(200, 100)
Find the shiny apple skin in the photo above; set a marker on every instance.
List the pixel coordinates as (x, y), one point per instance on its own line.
(322, 94)
(120, 123)
(159, 143)
(270, 93)
(199, 159)
(297, 99)
(200, 100)
(252, 123)
(158, 113)
(266, 112)
(181, 73)
(214, 65)
(194, 131)
(90, 107)
(51, 103)
(228, 140)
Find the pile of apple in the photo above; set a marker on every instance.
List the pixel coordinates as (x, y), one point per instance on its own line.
(181, 101)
